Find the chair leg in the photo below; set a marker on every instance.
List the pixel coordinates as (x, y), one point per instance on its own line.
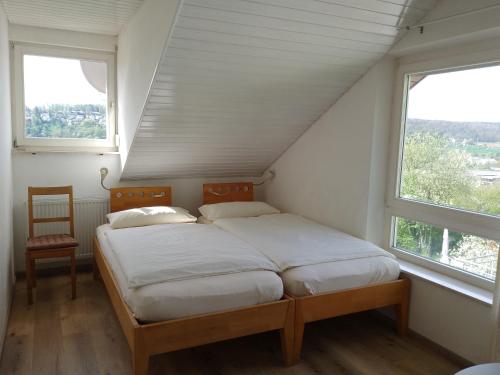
(73, 275)
(29, 288)
(33, 273)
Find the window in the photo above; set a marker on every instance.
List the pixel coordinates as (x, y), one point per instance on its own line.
(451, 149)
(64, 98)
(445, 201)
(472, 254)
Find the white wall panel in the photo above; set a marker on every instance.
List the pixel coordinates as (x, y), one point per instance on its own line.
(241, 80)
(221, 15)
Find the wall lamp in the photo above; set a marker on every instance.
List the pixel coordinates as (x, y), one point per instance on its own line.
(104, 172)
(269, 175)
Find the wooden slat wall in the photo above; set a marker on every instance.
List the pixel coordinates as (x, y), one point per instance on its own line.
(102, 17)
(241, 80)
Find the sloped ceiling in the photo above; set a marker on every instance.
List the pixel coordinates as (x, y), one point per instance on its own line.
(241, 80)
(95, 16)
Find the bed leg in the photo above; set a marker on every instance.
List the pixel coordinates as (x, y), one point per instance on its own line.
(287, 335)
(298, 332)
(403, 310)
(140, 363)
(95, 269)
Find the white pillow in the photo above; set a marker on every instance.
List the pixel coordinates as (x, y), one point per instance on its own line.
(236, 209)
(138, 217)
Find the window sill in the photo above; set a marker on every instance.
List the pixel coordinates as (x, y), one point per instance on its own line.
(72, 150)
(471, 291)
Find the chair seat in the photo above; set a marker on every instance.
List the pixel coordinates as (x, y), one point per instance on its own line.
(51, 241)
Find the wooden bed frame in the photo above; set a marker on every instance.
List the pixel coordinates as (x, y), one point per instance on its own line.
(331, 304)
(149, 339)
(227, 192)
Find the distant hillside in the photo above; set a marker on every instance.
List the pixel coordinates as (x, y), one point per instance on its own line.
(461, 131)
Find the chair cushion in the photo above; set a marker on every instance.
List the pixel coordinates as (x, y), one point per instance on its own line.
(51, 241)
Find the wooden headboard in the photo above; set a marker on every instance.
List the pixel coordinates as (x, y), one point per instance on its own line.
(227, 192)
(134, 197)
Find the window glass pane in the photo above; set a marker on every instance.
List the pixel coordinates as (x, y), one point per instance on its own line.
(65, 98)
(469, 253)
(451, 154)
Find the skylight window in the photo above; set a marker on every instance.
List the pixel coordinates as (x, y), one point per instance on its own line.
(66, 98)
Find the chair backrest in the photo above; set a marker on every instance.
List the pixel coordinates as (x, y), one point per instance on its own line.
(57, 190)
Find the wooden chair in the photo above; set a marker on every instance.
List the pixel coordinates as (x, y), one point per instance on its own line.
(52, 245)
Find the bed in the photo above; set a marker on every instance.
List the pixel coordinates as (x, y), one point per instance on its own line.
(162, 317)
(320, 290)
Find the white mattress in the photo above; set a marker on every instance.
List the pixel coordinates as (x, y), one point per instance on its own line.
(157, 253)
(292, 241)
(176, 299)
(334, 276)
(314, 258)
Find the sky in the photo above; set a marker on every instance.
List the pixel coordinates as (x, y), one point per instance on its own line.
(467, 95)
(50, 80)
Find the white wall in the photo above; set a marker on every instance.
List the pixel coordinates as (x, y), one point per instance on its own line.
(6, 274)
(140, 46)
(450, 319)
(335, 173)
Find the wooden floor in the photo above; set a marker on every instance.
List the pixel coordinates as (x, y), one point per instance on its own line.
(58, 335)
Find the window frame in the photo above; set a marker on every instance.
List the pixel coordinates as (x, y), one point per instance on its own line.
(455, 219)
(61, 144)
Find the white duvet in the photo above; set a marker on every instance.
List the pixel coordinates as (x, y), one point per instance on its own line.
(293, 241)
(159, 253)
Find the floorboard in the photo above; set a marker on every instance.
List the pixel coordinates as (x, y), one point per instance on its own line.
(57, 335)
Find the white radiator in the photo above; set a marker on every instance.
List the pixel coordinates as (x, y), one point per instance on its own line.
(89, 214)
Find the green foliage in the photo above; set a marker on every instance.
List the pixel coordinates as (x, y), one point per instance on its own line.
(482, 151)
(433, 170)
(459, 131)
(419, 238)
(483, 198)
(85, 121)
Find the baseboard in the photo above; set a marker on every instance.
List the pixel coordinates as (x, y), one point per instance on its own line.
(435, 346)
